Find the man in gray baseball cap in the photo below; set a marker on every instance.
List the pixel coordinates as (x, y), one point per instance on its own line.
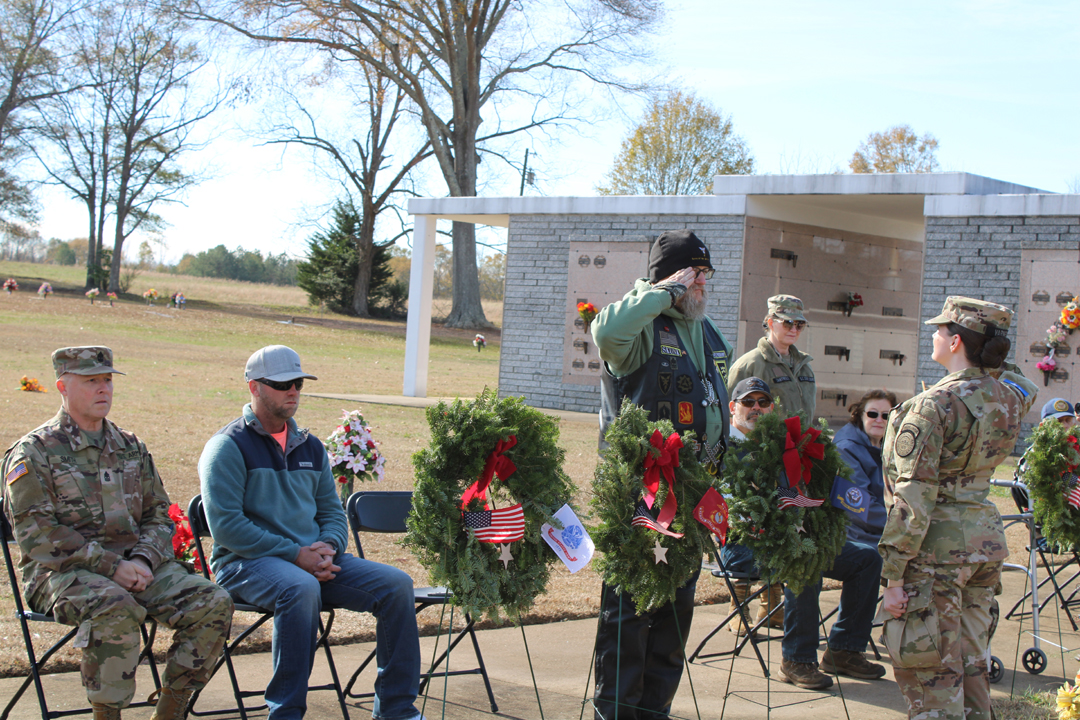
(283, 546)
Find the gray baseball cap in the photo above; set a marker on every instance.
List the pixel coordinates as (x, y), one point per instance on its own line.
(276, 363)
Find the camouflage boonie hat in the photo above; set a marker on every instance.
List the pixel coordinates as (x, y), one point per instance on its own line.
(85, 360)
(786, 307)
(980, 316)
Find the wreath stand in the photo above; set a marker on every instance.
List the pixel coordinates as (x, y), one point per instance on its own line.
(780, 478)
(491, 477)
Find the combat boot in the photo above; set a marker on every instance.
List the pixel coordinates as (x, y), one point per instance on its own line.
(742, 589)
(105, 712)
(771, 603)
(850, 663)
(171, 704)
(804, 675)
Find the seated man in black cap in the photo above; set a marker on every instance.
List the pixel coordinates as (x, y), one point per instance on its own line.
(663, 354)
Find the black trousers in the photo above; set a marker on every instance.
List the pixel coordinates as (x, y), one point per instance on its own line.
(639, 658)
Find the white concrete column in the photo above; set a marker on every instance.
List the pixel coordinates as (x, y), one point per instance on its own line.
(421, 286)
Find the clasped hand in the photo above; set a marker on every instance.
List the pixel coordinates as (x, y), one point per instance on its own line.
(318, 559)
(133, 575)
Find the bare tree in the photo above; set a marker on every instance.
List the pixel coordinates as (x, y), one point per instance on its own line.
(362, 160)
(116, 144)
(455, 58)
(32, 54)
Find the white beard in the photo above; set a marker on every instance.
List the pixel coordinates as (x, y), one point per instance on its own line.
(692, 306)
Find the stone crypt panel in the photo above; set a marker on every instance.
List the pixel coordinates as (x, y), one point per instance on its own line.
(600, 273)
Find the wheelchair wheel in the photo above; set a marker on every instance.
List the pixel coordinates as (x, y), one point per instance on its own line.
(997, 670)
(1034, 660)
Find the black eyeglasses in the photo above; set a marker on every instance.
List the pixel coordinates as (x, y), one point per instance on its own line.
(750, 402)
(283, 386)
(797, 324)
(707, 272)
(873, 414)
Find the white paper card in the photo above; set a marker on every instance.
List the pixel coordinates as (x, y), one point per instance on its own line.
(572, 543)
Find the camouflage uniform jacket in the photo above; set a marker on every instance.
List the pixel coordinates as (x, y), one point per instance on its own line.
(793, 387)
(75, 505)
(940, 449)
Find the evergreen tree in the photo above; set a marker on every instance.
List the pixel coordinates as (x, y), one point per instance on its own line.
(329, 273)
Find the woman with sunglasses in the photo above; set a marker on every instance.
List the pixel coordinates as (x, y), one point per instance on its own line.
(859, 443)
(943, 545)
(778, 362)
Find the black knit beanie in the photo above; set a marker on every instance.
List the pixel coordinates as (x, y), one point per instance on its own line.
(675, 250)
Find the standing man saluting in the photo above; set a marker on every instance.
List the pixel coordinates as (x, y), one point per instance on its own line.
(663, 354)
(92, 521)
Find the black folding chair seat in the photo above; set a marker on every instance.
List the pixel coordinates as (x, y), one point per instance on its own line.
(386, 512)
(37, 663)
(200, 530)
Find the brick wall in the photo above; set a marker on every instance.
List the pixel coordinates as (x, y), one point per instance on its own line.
(536, 284)
(980, 257)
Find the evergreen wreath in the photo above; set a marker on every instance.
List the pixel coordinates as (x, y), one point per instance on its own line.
(628, 563)
(1054, 452)
(749, 484)
(463, 435)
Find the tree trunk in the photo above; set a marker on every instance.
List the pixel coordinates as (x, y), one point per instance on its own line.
(467, 312)
(365, 251)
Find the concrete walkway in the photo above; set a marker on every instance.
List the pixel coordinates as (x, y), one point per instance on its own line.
(561, 654)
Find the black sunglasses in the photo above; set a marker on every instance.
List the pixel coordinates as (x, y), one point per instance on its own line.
(873, 414)
(283, 386)
(797, 324)
(707, 272)
(750, 402)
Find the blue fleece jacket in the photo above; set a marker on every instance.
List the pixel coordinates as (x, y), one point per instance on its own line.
(261, 501)
(865, 462)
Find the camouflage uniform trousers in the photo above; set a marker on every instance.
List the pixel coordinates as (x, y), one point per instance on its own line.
(109, 620)
(940, 647)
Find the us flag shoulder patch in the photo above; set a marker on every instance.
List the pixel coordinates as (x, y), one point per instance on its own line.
(16, 472)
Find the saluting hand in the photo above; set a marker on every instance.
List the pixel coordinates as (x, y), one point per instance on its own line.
(684, 277)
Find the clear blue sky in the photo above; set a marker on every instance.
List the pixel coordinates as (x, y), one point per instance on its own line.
(996, 81)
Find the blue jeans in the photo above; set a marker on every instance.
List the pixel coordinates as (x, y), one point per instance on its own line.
(295, 597)
(739, 559)
(858, 567)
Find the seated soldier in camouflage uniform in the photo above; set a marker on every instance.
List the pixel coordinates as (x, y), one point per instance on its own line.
(91, 518)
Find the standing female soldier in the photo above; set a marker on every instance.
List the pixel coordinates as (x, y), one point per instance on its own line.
(943, 545)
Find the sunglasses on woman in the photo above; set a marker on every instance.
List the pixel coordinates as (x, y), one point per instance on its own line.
(873, 414)
(797, 324)
(283, 386)
(761, 402)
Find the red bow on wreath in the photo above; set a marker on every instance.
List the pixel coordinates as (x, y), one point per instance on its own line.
(664, 463)
(801, 449)
(497, 463)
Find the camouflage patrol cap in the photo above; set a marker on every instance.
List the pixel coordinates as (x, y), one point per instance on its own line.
(980, 316)
(84, 360)
(786, 307)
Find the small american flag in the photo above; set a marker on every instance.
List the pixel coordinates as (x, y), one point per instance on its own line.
(642, 518)
(1072, 489)
(792, 498)
(497, 526)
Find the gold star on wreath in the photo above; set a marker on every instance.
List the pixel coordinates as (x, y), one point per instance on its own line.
(505, 557)
(660, 552)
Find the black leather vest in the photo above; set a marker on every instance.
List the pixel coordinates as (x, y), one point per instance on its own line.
(668, 386)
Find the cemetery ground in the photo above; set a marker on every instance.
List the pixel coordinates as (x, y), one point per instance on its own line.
(185, 380)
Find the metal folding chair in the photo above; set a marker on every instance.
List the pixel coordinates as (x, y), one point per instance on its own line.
(718, 570)
(200, 530)
(385, 512)
(38, 663)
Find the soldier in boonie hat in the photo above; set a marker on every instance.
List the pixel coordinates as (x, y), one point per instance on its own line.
(786, 307)
(84, 360)
(981, 316)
